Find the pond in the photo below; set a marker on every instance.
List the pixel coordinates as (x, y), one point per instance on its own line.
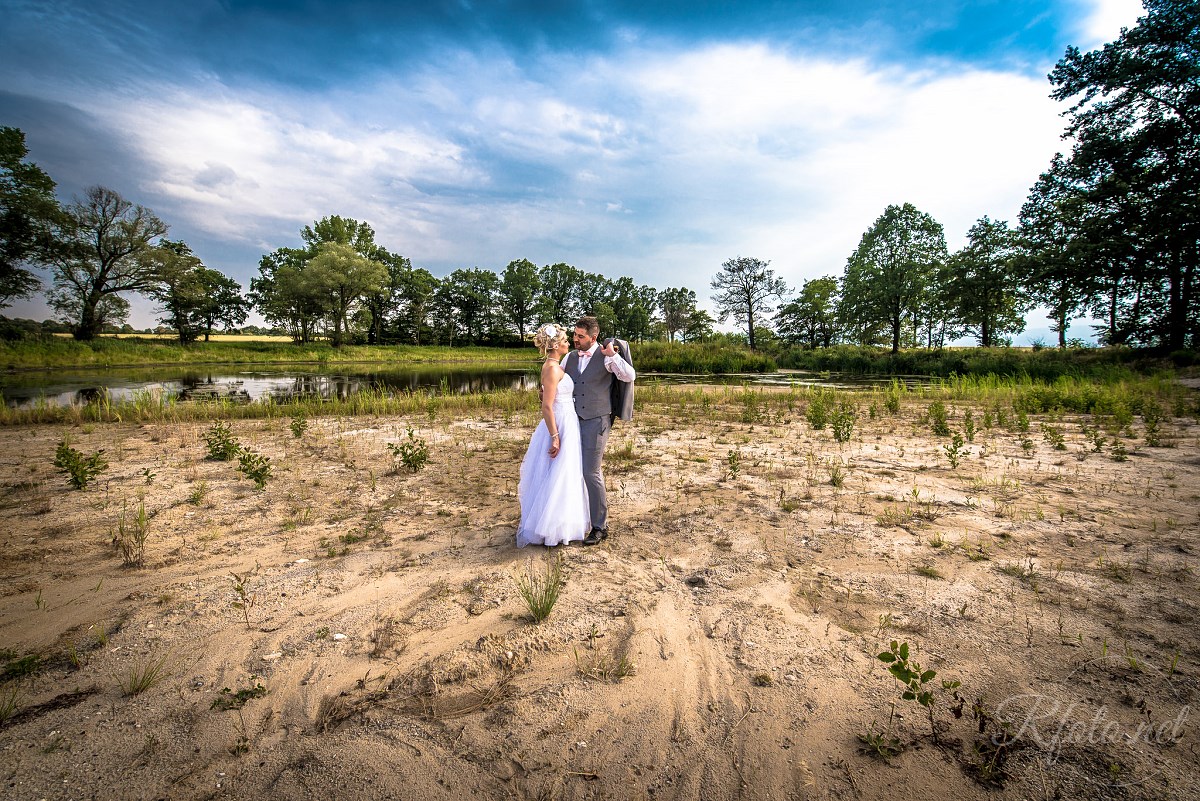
(244, 384)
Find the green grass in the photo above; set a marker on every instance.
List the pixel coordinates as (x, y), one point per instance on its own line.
(60, 352)
(1044, 364)
(1012, 396)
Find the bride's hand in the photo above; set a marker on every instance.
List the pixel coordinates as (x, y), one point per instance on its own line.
(555, 447)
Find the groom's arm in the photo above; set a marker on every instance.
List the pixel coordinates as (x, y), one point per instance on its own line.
(620, 368)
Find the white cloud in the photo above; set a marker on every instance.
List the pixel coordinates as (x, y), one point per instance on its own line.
(1103, 20)
(654, 164)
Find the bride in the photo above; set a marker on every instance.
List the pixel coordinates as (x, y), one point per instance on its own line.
(553, 496)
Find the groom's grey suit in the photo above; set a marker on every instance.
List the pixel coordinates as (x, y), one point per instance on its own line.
(599, 398)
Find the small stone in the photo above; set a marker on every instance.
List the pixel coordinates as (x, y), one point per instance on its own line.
(300, 561)
(272, 656)
(339, 637)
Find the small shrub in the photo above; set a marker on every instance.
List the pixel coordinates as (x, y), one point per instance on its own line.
(733, 463)
(412, 453)
(938, 420)
(842, 421)
(891, 398)
(1151, 423)
(817, 412)
(228, 699)
(540, 591)
(955, 450)
(969, 425)
(245, 598)
(80, 470)
(222, 445)
(299, 425)
(1055, 437)
(837, 474)
(255, 466)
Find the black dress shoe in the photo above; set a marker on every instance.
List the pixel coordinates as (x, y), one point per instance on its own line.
(594, 536)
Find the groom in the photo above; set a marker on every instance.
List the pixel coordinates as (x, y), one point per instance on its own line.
(603, 376)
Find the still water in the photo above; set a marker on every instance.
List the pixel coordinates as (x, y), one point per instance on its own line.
(239, 383)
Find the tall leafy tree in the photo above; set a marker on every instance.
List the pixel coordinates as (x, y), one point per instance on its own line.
(983, 286)
(283, 298)
(811, 317)
(195, 298)
(28, 212)
(1051, 253)
(1135, 118)
(559, 300)
(889, 275)
(676, 305)
(746, 289)
(416, 291)
(519, 287)
(594, 291)
(103, 243)
(382, 305)
(633, 309)
(224, 304)
(178, 287)
(342, 277)
(467, 301)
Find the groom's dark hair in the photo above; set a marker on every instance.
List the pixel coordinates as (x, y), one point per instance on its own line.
(589, 324)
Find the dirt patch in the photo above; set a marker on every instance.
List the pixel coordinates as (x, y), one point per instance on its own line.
(355, 631)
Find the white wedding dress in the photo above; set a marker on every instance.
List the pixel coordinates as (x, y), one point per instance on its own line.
(554, 498)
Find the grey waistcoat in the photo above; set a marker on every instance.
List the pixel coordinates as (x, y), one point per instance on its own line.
(593, 387)
(597, 391)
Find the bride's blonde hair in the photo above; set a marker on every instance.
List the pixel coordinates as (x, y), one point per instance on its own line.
(548, 337)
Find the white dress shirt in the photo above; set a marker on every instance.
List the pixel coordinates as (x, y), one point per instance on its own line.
(620, 368)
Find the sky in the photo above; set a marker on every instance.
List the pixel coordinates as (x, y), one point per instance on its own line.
(635, 138)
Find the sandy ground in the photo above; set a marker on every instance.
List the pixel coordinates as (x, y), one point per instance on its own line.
(353, 631)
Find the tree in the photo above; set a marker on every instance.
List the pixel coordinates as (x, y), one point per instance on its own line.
(383, 304)
(676, 305)
(1135, 119)
(28, 212)
(342, 277)
(177, 287)
(699, 327)
(811, 318)
(194, 297)
(560, 292)
(518, 290)
(466, 300)
(1050, 257)
(416, 290)
(633, 309)
(745, 288)
(887, 278)
(104, 239)
(224, 303)
(983, 286)
(282, 297)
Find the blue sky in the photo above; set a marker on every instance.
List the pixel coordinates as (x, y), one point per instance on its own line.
(653, 140)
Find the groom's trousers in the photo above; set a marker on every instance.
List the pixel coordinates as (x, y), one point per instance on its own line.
(593, 435)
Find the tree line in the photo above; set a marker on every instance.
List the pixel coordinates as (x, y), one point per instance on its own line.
(1110, 230)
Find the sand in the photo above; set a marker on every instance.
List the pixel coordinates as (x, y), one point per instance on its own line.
(354, 630)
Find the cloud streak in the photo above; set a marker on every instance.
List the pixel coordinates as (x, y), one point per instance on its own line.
(649, 147)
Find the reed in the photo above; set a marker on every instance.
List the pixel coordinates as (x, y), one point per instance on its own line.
(1133, 395)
